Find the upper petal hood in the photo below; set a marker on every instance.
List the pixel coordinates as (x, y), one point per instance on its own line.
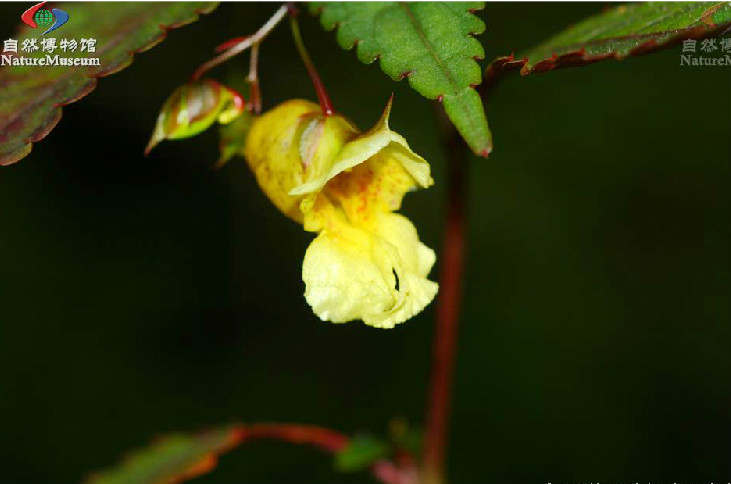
(284, 144)
(360, 149)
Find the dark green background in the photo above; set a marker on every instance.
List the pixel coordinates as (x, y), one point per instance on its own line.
(140, 296)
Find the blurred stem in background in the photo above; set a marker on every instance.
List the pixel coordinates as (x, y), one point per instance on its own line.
(448, 305)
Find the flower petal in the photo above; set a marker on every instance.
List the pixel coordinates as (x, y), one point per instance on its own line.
(378, 276)
(272, 151)
(373, 187)
(378, 138)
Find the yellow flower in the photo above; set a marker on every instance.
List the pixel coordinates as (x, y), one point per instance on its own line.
(367, 262)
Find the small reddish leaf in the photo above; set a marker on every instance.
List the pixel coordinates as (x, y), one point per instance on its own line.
(172, 459)
(31, 96)
(180, 457)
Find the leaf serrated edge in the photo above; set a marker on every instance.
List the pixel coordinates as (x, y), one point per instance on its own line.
(318, 9)
(580, 58)
(482, 150)
(56, 113)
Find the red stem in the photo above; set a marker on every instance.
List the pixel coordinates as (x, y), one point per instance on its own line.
(230, 43)
(325, 439)
(447, 322)
(328, 440)
(243, 44)
(254, 87)
(322, 95)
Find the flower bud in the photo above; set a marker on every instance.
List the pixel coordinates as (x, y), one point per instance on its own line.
(193, 107)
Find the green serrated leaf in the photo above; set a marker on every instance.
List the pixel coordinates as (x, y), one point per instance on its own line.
(430, 43)
(360, 453)
(172, 459)
(31, 96)
(623, 31)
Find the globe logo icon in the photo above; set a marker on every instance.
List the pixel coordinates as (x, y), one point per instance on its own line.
(43, 18)
(37, 16)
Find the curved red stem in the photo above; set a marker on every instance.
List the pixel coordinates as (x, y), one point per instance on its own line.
(323, 438)
(399, 472)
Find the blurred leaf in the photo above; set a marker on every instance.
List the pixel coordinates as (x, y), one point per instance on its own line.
(429, 43)
(623, 31)
(180, 457)
(32, 96)
(360, 453)
(404, 436)
(172, 459)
